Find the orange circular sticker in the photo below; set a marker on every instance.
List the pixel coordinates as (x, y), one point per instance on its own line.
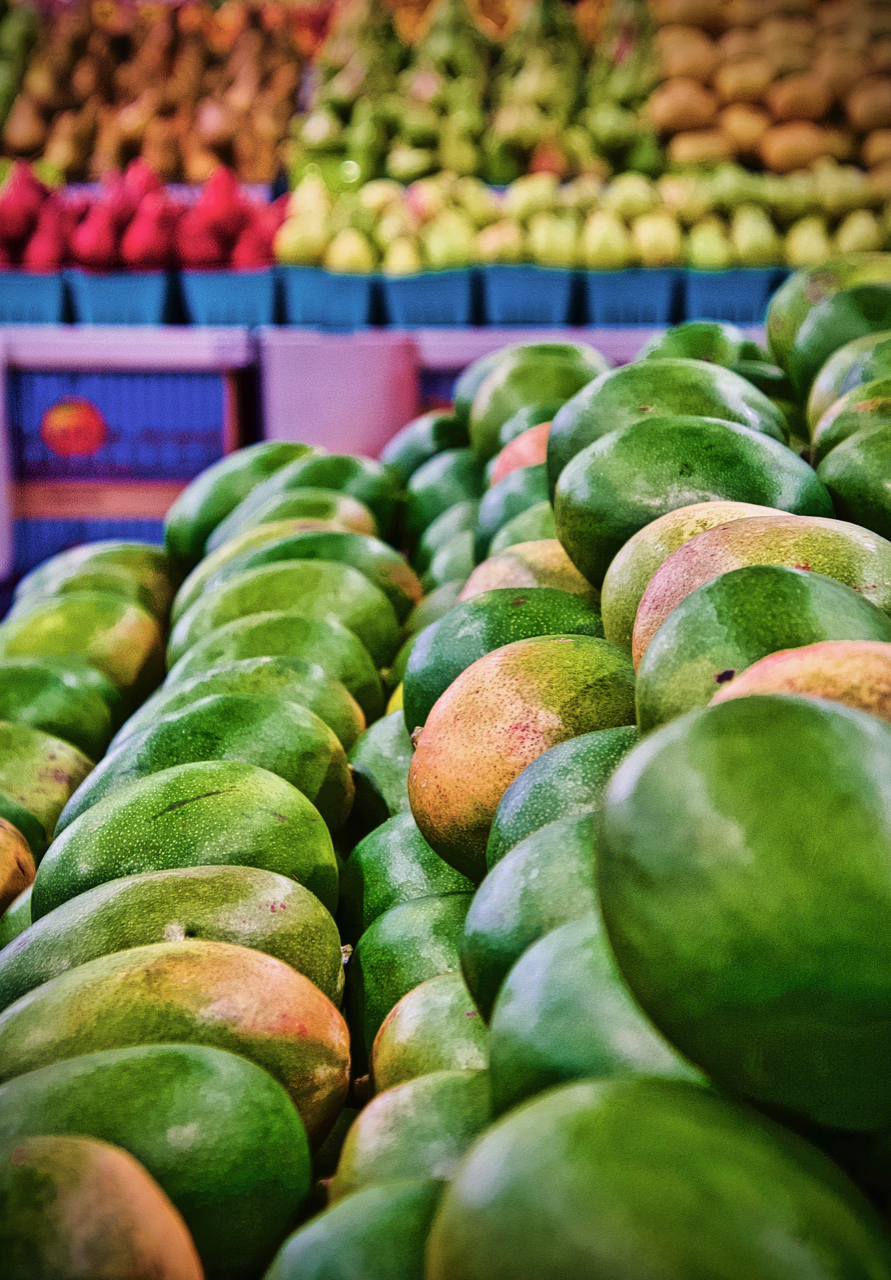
(73, 428)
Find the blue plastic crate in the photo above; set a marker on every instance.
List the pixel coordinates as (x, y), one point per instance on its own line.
(327, 299)
(32, 298)
(245, 298)
(527, 295)
(38, 539)
(740, 295)
(150, 425)
(637, 295)
(121, 297)
(431, 298)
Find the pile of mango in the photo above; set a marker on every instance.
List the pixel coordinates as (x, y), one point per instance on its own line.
(496, 883)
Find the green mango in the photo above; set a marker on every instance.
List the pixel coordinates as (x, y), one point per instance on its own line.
(655, 389)
(535, 524)
(459, 518)
(851, 366)
(282, 737)
(710, 340)
(419, 1129)
(242, 905)
(868, 405)
(379, 762)
(435, 1027)
(854, 312)
(564, 1013)
(855, 473)
(218, 489)
(564, 782)
(57, 703)
(319, 588)
(453, 476)
(16, 918)
(628, 478)
(209, 813)
(433, 607)
(455, 561)
(39, 772)
(392, 865)
(730, 622)
(655, 1178)
(515, 493)
(420, 440)
(378, 1233)
(544, 881)
(147, 566)
(289, 634)
(238, 1174)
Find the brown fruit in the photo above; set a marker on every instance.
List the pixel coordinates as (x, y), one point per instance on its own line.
(17, 869)
(841, 69)
(801, 97)
(745, 80)
(856, 673)
(687, 52)
(793, 146)
(682, 104)
(876, 147)
(738, 42)
(745, 125)
(25, 129)
(868, 105)
(701, 147)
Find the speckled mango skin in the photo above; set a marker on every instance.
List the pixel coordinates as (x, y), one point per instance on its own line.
(865, 406)
(72, 1202)
(834, 548)
(857, 362)
(190, 992)
(541, 563)
(856, 673)
(16, 864)
(39, 772)
(435, 1027)
(147, 565)
(500, 714)
(631, 569)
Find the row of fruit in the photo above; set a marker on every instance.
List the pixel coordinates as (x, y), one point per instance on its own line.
(580, 972)
(185, 86)
(726, 218)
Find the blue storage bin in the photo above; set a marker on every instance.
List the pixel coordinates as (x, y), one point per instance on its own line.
(32, 298)
(431, 298)
(326, 299)
(740, 295)
(527, 295)
(120, 297)
(245, 298)
(637, 295)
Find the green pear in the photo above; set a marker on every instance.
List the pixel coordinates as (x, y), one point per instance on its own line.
(500, 242)
(607, 243)
(553, 240)
(754, 238)
(402, 258)
(808, 242)
(349, 251)
(708, 247)
(630, 195)
(657, 238)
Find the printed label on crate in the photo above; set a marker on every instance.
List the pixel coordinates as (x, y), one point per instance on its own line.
(113, 425)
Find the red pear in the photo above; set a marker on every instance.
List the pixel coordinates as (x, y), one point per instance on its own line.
(21, 197)
(196, 244)
(95, 241)
(253, 248)
(140, 178)
(221, 206)
(49, 248)
(148, 242)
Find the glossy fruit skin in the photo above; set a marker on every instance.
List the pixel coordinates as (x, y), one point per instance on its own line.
(217, 1133)
(419, 1129)
(209, 813)
(546, 880)
(535, 524)
(655, 1178)
(526, 375)
(848, 368)
(434, 1027)
(453, 476)
(432, 607)
(480, 625)
(378, 1233)
(291, 679)
(453, 562)
(318, 588)
(16, 918)
(722, 344)
(39, 772)
(289, 634)
(302, 509)
(854, 672)
(518, 491)
(190, 992)
(109, 579)
(149, 567)
(864, 406)
(217, 491)
(844, 552)
(564, 1013)
(419, 441)
(632, 568)
(402, 948)
(542, 563)
(472, 379)
(392, 865)
(44, 699)
(854, 473)
(851, 313)
(564, 782)
(241, 905)
(634, 474)
(75, 1206)
(757, 954)
(279, 736)
(379, 764)
(458, 518)
(501, 712)
(727, 624)
(384, 568)
(654, 389)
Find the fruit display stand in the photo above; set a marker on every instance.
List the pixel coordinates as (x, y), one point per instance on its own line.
(105, 425)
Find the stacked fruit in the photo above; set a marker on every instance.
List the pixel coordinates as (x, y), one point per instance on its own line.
(780, 85)
(18, 31)
(581, 968)
(133, 222)
(185, 86)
